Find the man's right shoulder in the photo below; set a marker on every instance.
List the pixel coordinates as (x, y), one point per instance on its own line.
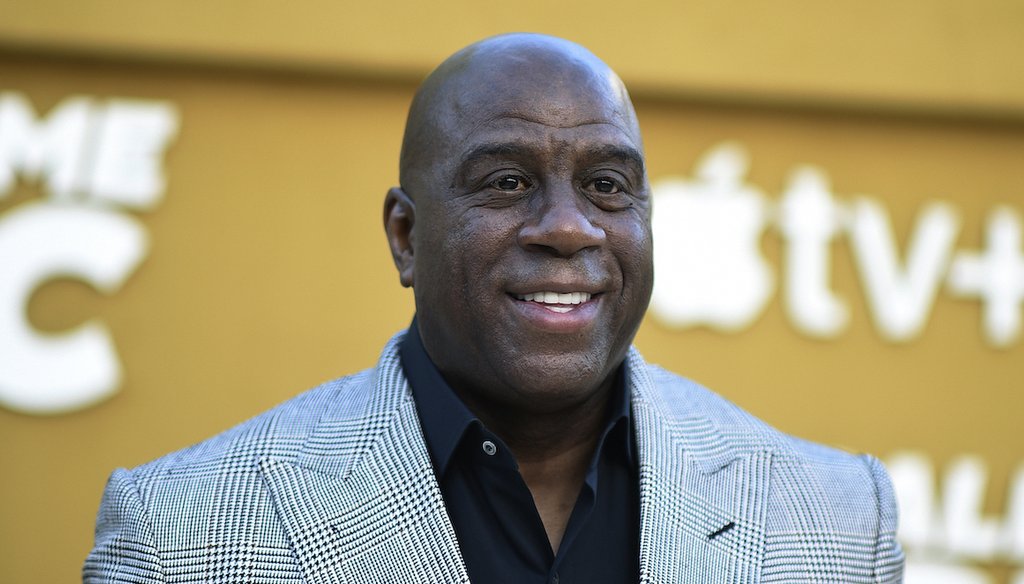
(279, 432)
(207, 505)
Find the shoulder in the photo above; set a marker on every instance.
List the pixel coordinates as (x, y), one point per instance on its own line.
(680, 398)
(197, 509)
(824, 512)
(151, 516)
(279, 432)
(840, 484)
(828, 502)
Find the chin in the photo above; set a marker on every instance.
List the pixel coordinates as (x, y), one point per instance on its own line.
(552, 384)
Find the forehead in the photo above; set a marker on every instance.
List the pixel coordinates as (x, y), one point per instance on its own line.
(551, 97)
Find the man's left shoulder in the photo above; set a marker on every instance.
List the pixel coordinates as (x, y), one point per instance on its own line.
(840, 480)
(823, 510)
(681, 399)
(835, 485)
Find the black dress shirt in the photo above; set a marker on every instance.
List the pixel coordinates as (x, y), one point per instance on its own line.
(499, 529)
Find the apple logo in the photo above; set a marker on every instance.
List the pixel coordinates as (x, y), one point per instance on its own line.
(707, 258)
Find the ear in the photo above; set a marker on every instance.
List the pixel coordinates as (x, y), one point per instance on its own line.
(399, 217)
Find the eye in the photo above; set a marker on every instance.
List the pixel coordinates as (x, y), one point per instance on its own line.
(606, 186)
(609, 191)
(509, 182)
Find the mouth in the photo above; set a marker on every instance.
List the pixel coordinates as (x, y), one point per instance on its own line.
(560, 302)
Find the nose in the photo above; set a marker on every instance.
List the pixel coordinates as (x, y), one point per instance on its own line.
(559, 225)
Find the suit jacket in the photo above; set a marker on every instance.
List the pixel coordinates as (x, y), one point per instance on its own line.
(336, 485)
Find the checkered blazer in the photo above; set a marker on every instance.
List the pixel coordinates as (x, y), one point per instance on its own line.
(336, 485)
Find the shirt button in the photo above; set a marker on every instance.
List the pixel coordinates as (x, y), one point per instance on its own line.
(489, 448)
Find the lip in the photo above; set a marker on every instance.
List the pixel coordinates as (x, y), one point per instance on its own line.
(580, 317)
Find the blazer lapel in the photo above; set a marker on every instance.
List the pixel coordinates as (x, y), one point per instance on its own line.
(361, 503)
(362, 493)
(702, 495)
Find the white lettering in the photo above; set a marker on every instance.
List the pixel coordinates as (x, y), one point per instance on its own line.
(913, 480)
(953, 527)
(39, 242)
(127, 167)
(1013, 531)
(101, 157)
(995, 276)
(111, 153)
(931, 572)
(968, 533)
(712, 272)
(901, 299)
(51, 150)
(809, 220)
(707, 257)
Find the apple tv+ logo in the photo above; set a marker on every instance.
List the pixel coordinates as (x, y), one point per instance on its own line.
(711, 270)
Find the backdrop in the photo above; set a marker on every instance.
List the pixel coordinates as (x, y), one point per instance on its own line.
(190, 232)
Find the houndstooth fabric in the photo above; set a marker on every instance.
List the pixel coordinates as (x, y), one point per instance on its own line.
(336, 486)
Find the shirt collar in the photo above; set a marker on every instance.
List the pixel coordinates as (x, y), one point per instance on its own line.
(445, 419)
(442, 414)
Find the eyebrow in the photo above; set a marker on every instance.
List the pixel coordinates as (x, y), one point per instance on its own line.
(500, 150)
(625, 154)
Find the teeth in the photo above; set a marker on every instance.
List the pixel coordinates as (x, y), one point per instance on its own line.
(556, 298)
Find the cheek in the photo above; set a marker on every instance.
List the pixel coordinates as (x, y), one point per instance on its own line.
(460, 258)
(632, 244)
(480, 238)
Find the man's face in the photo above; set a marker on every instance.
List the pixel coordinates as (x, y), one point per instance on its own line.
(532, 239)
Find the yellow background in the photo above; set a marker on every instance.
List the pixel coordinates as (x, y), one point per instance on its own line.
(269, 273)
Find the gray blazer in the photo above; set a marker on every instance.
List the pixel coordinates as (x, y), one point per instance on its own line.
(336, 485)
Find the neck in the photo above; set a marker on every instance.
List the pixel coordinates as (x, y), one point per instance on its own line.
(537, 435)
(553, 450)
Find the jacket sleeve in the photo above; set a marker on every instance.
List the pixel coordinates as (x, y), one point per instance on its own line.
(124, 550)
(888, 553)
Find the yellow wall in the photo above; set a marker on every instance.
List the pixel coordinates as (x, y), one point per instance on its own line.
(934, 54)
(268, 271)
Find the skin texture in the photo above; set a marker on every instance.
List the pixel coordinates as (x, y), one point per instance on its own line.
(522, 171)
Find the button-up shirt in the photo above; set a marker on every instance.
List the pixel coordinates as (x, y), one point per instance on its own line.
(499, 529)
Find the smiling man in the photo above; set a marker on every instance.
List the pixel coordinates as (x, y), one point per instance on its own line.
(511, 434)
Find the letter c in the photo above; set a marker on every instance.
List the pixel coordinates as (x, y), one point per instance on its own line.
(56, 373)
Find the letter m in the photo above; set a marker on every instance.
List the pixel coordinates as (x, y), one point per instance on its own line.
(50, 150)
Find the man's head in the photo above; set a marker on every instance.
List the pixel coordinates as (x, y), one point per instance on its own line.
(522, 175)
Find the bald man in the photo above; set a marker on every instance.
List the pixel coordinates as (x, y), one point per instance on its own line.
(511, 434)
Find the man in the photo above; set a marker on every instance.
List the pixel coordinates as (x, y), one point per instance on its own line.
(511, 434)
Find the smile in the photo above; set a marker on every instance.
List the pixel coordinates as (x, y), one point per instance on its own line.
(560, 302)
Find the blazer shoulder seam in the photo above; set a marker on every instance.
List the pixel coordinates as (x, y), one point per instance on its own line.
(129, 477)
